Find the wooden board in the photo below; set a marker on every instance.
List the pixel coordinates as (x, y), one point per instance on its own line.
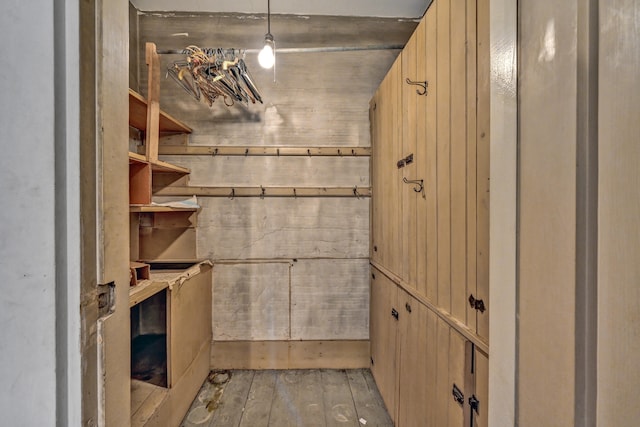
(152, 133)
(289, 354)
(330, 300)
(258, 406)
(174, 144)
(297, 399)
(225, 171)
(483, 165)
(458, 162)
(474, 104)
(339, 407)
(443, 203)
(229, 413)
(167, 243)
(283, 228)
(190, 325)
(408, 144)
(250, 302)
(366, 397)
(431, 166)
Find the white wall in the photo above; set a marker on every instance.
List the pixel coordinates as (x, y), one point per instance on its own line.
(36, 267)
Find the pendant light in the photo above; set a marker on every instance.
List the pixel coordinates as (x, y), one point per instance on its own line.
(267, 56)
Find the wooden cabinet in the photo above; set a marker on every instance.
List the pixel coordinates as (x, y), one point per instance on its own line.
(429, 221)
(427, 372)
(170, 306)
(430, 202)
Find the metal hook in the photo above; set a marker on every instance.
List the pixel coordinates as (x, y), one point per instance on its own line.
(422, 84)
(233, 194)
(262, 191)
(418, 182)
(295, 195)
(355, 192)
(215, 152)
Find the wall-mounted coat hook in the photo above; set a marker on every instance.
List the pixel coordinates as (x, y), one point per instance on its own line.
(233, 194)
(422, 84)
(418, 182)
(355, 192)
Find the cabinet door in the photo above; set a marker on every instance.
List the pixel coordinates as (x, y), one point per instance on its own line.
(480, 415)
(416, 365)
(452, 388)
(386, 179)
(383, 334)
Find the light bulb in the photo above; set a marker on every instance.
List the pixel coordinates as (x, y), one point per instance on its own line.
(267, 56)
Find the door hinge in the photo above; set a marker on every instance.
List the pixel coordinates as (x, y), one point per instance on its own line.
(394, 313)
(474, 403)
(458, 396)
(106, 294)
(476, 304)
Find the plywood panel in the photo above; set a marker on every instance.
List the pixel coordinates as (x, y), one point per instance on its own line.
(283, 228)
(300, 171)
(384, 297)
(330, 299)
(250, 302)
(443, 203)
(458, 154)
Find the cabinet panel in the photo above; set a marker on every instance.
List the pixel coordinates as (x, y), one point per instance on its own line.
(386, 177)
(383, 334)
(416, 362)
(481, 373)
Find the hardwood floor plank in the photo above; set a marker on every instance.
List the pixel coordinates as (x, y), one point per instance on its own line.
(258, 407)
(298, 400)
(290, 398)
(338, 401)
(234, 397)
(366, 397)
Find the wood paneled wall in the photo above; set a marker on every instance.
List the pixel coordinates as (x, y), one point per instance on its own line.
(286, 268)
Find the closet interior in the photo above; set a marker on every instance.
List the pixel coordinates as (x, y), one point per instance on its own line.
(332, 214)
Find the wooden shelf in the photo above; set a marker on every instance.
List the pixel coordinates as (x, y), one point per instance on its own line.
(158, 165)
(155, 208)
(138, 116)
(137, 158)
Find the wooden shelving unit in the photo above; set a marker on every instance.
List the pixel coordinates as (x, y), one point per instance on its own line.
(171, 305)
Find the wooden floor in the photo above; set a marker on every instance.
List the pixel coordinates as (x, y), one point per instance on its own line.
(298, 398)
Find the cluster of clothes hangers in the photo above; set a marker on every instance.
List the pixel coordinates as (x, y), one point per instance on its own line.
(213, 73)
